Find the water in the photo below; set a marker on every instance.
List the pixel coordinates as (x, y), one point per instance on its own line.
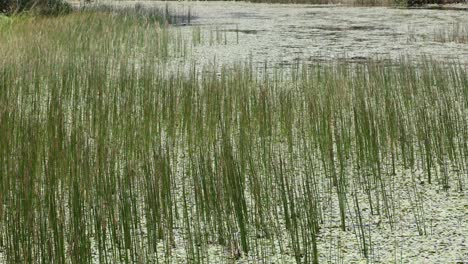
(284, 34)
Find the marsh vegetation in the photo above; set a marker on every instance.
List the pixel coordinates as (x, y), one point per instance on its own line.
(108, 155)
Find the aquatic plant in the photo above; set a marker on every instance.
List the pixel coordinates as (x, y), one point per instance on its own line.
(457, 33)
(108, 156)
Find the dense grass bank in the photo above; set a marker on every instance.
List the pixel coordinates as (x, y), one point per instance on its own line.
(106, 157)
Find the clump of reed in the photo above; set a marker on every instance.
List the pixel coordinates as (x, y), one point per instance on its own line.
(161, 15)
(106, 157)
(457, 32)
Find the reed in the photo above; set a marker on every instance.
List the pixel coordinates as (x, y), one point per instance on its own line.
(106, 156)
(457, 32)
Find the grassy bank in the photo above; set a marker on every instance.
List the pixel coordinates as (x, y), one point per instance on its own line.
(104, 157)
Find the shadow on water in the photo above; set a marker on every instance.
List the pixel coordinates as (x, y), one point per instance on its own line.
(246, 15)
(244, 31)
(349, 28)
(439, 7)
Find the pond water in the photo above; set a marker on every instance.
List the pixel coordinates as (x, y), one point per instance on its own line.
(283, 34)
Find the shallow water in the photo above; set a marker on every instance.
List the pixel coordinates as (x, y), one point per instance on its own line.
(283, 34)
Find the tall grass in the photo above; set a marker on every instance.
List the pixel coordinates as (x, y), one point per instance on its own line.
(105, 157)
(457, 32)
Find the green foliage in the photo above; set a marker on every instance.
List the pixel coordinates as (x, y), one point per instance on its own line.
(42, 7)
